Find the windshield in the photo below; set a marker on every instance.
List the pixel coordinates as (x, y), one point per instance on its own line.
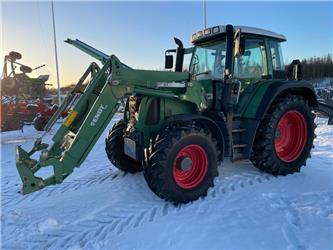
(208, 61)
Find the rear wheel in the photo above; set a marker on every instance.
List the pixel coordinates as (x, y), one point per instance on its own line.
(183, 164)
(114, 147)
(285, 137)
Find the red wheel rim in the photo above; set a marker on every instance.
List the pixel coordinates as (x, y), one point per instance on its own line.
(290, 136)
(190, 166)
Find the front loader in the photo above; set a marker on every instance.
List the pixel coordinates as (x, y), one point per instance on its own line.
(91, 110)
(235, 101)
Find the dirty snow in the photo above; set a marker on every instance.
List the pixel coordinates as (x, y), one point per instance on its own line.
(98, 207)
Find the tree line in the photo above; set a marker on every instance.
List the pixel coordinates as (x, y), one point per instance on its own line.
(317, 67)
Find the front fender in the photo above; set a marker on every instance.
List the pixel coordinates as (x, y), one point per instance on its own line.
(216, 126)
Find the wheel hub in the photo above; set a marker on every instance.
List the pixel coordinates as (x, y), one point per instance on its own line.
(186, 164)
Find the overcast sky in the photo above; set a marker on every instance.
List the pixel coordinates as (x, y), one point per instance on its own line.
(139, 32)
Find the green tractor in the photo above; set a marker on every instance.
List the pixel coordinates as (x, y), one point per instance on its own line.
(235, 101)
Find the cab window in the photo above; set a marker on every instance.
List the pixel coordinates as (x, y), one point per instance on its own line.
(252, 65)
(276, 53)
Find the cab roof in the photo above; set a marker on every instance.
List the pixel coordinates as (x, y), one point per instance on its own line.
(219, 30)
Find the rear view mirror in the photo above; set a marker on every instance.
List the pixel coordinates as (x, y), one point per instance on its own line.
(168, 61)
(294, 70)
(238, 43)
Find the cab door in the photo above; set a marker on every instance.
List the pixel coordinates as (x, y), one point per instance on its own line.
(250, 70)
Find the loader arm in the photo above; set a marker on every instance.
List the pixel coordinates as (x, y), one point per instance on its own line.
(74, 139)
(91, 51)
(90, 109)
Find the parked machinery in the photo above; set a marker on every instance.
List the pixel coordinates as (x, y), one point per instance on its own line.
(22, 97)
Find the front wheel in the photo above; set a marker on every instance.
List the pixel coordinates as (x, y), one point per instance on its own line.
(285, 137)
(183, 164)
(114, 147)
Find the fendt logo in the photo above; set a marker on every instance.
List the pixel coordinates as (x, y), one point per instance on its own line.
(98, 115)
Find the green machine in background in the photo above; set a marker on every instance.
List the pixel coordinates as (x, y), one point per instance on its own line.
(234, 101)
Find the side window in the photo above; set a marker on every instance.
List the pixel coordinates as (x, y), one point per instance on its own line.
(187, 62)
(276, 53)
(251, 66)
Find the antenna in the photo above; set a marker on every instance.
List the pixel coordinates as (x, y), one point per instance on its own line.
(56, 53)
(205, 26)
(204, 14)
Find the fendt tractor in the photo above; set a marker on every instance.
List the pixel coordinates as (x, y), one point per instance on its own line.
(235, 101)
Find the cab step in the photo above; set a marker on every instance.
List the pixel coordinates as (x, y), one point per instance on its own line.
(238, 130)
(238, 146)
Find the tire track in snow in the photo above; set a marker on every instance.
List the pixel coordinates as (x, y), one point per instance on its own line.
(294, 207)
(114, 223)
(11, 195)
(229, 184)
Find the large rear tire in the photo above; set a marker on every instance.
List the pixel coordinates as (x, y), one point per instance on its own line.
(183, 164)
(285, 137)
(114, 147)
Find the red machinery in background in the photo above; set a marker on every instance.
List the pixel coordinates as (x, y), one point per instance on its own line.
(22, 97)
(44, 115)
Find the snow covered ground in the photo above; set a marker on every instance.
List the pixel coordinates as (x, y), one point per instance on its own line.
(100, 207)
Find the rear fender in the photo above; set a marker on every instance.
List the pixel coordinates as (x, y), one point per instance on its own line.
(263, 100)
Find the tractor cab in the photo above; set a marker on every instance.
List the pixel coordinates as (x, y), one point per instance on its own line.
(249, 56)
(258, 57)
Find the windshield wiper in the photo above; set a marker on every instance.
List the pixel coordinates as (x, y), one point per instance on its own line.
(203, 73)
